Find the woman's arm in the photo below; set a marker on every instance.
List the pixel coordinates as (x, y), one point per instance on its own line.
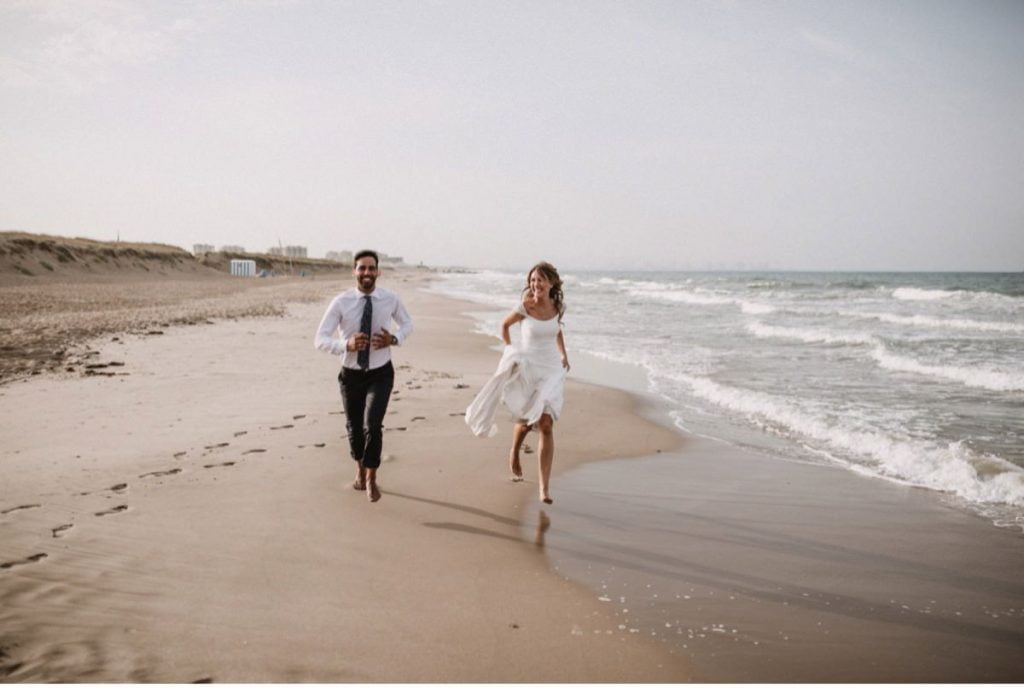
(561, 347)
(510, 320)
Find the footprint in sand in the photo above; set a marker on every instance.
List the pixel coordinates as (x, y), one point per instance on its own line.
(457, 413)
(59, 530)
(171, 471)
(217, 446)
(254, 451)
(241, 432)
(298, 417)
(180, 454)
(416, 418)
(218, 465)
(19, 508)
(119, 488)
(116, 510)
(281, 427)
(21, 562)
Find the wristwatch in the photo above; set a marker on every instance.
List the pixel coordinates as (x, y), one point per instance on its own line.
(394, 340)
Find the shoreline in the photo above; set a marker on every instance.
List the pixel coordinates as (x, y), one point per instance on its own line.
(755, 568)
(192, 519)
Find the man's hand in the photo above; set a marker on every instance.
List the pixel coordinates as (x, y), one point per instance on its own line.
(358, 342)
(382, 339)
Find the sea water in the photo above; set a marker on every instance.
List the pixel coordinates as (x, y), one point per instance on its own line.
(916, 378)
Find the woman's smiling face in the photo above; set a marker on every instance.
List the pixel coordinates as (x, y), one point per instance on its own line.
(539, 285)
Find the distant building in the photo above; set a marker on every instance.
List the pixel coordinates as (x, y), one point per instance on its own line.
(275, 251)
(340, 256)
(233, 249)
(346, 257)
(202, 248)
(295, 251)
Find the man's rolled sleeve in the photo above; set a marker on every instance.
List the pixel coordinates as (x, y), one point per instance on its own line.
(325, 339)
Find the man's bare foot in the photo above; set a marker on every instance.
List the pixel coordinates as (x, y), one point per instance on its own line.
(360, 482)
(515, 467)
(372, 492)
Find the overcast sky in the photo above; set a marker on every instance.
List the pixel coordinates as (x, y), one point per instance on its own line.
(683, 134)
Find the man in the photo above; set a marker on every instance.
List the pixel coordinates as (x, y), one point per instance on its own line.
(362, 316)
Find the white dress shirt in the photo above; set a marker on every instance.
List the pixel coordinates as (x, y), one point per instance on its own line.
(344, 316)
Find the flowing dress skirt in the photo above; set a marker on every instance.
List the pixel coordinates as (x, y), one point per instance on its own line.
(528, 385)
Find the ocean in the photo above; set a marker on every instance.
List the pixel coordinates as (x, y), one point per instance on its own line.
(914, 378)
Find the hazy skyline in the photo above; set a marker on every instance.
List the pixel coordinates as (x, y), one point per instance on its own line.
(790, 135)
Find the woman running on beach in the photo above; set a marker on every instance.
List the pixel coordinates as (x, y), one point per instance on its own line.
(530, 377)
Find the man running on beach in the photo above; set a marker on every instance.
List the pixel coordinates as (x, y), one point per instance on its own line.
(362, 315)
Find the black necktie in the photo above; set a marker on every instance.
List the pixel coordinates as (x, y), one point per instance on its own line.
(363, 356)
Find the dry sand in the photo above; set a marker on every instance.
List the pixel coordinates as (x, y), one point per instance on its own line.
(47, 326)
(190, 518)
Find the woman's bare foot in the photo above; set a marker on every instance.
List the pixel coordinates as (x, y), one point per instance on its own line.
(515, 467)
(358, 484)
(372, 492)
(545, 498)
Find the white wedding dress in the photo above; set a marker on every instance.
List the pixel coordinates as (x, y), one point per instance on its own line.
(529, 380)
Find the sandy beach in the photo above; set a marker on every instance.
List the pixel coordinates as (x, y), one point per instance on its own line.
(186, 515)
(177, 507)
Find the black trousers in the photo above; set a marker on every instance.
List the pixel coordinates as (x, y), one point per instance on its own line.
(365, 395)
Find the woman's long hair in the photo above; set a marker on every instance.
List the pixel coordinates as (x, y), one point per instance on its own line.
(551, 274)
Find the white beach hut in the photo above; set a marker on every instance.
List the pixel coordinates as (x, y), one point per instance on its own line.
(243, 268)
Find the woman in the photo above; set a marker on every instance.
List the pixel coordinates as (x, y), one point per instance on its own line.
(530, 378)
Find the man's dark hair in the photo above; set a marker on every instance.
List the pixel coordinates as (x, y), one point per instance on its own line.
(363, 254)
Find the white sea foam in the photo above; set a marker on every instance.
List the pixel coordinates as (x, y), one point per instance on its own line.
(703, 298)
(918, 294)
(914, 294)
(939, 323)
(681, 296)
(485, 287)
(994, 380)
(809, 335)
(639, 285)
(753, 308)
(950, 468)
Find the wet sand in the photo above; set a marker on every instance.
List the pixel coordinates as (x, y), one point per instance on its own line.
(758, 569)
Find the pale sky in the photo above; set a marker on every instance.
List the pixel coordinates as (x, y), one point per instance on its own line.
(685, 134)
